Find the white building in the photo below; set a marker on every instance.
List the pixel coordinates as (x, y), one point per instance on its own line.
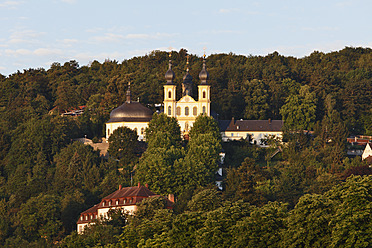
(256, 130)
(130, 114)
(123, 198)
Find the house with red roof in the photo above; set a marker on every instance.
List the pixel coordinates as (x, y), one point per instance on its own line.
(125, 199)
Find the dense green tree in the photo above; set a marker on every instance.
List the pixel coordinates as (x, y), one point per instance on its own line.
(340, 217)
(351, 222)
(167, 127)
(299, 111)
(123, 145)
(77, 166)
(262, 228)
(242, 182)
(39, 218)
(203, 125)
(67, 97)
(147, 207)
(308, 223)
(5, 220)
(216, 229)
(203, 156)
(156, 168)
(256, 99)
(205, 200)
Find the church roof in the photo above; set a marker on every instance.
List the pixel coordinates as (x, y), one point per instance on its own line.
(204, 75)
(169, 75)
(132, 112)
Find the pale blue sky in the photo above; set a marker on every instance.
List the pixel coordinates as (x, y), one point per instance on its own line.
(35, 34)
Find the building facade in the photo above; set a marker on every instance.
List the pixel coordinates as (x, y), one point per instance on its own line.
(130, 114)
(124, 199)
(255, 130)
(134, 115)
(186, 109)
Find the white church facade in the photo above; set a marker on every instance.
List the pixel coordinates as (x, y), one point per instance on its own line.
(136, 116)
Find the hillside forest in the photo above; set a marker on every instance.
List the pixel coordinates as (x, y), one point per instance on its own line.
(310, 194)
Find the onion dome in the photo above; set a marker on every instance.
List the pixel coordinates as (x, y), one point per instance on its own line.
(169, 75)
(131, 111)
(204, 75)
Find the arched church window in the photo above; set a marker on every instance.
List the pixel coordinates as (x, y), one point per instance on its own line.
(187, 111)
(204, 110)
(195, 111)
(186, 126)
(169, 110)
(178, 110)
(203, 94)
(142, 130)
(108, 131)
(169, 94)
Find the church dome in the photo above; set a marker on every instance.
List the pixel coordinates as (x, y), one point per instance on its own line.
(169, 75)
(204, 75)
(131, 112)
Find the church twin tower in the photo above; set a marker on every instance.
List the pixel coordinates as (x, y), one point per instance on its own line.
(134, 115)
(187, 109)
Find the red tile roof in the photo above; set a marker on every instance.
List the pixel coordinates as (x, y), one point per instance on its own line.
(128, 196)
(91, 210)
(138, 191)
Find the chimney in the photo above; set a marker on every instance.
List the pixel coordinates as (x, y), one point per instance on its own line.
(171, 197)
(120, 187)
(146, 185)
(139, 184)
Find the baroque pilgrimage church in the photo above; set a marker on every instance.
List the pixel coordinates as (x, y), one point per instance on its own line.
(134, 115)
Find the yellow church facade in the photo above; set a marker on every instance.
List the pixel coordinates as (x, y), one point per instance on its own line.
(187, 108)
(135, 116)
